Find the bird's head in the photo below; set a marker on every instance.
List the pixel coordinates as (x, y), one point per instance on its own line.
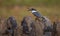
(31, 9)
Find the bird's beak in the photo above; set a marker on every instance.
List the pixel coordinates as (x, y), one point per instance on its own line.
(29, 9)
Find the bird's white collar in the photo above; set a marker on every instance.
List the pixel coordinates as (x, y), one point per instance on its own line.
(33, 11)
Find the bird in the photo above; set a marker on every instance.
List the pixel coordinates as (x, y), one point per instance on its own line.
(38, 15)
(35, 12)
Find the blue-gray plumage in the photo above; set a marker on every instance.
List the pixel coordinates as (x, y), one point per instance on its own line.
(35, 12)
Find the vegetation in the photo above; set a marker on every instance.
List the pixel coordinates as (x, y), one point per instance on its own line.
(30, 2)
(48, 8)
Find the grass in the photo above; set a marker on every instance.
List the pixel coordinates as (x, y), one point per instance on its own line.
(20, 12)
(30, 2)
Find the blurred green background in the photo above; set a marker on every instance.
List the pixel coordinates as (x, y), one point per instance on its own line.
(30, 2)
(18, 8)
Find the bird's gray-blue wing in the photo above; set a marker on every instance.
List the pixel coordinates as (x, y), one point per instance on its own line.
(37, 14)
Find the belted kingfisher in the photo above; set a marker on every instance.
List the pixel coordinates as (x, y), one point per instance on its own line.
(35, 12)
